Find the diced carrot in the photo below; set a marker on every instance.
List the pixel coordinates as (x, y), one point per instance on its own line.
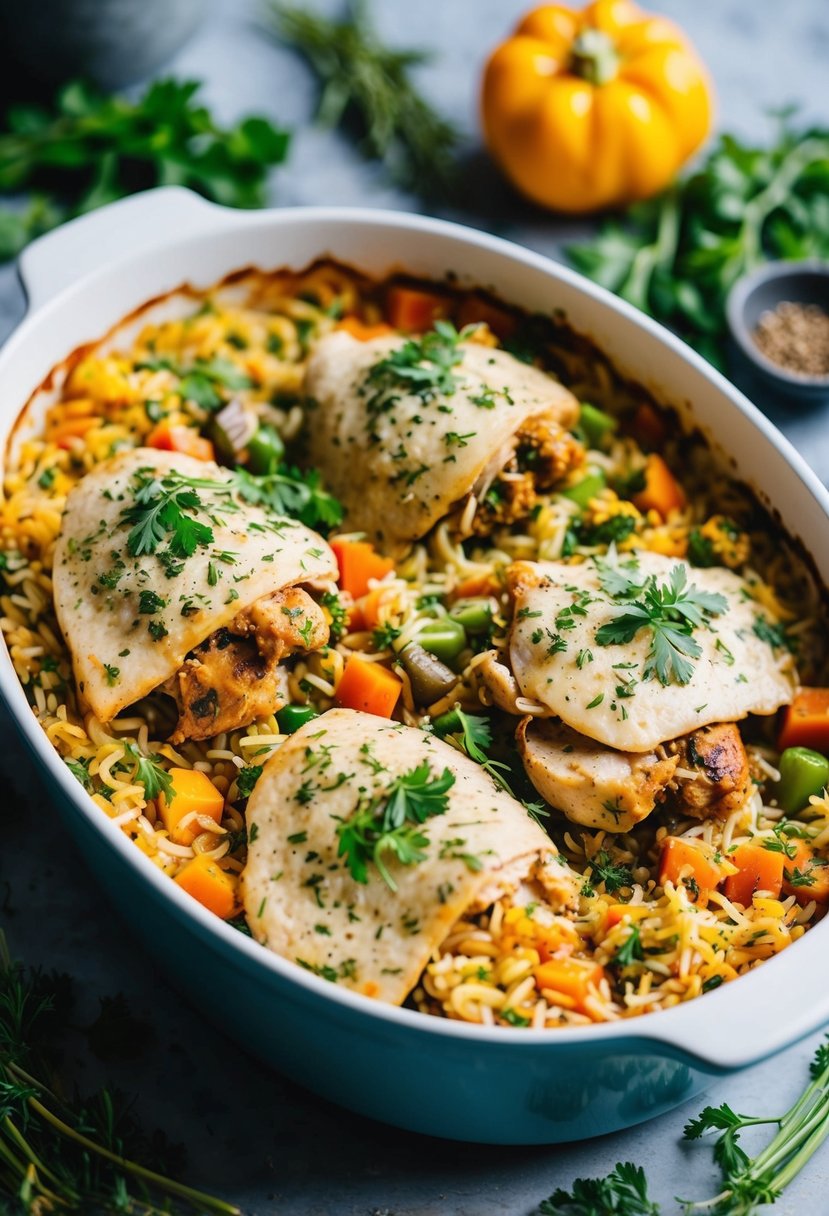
(477, 585)
(569, 976)
(192, 791)
(474, 310)
(758, 869)
(72, 428)
(616, 913)
(414, 311)
(806, 721)
(683, 860)
(649, 427)
(358, 562)
(361, 330)
(367, 610)
(662, 491)
(369, 687)
(184, 439)
(212, 886)
(806, 876)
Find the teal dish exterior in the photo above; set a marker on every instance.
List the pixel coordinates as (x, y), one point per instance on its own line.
(431, 1075)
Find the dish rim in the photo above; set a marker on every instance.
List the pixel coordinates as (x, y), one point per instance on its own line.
(676, 1028)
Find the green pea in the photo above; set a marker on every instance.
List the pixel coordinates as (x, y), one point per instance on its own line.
(291, 717)
(596, 426)
(802, 774)
(474, 615)
(445, 639)
(587, 488)
(265, 450)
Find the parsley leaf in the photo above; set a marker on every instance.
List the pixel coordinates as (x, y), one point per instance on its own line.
(247, 778)
(670, 611)
(149, 773)
(90, 148)
(289, 492)
(165, 507)
(624, 1192)
(390, 822)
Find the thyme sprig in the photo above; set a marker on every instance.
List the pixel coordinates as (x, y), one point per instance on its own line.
(367, 86)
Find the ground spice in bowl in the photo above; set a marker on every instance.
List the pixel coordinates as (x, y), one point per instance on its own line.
(795, 337)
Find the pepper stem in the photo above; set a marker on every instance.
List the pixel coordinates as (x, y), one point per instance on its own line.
(594, 57)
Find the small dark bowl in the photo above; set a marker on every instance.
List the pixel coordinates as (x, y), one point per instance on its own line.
(749, 298)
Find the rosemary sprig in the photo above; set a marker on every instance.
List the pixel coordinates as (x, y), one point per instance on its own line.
(367, 85)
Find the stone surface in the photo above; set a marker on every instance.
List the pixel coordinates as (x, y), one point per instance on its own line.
(250, 1135)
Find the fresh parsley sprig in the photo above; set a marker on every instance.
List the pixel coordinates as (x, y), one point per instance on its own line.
(289, 492)
(149, 773)
(91, 148)
(165, 509)
(367, 86)
(748, 1183)
(392, 823)
(677, 256)
(624, 1192)
(671, 611)
(472, 735)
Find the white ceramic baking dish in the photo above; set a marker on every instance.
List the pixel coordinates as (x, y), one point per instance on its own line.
(445, 1078)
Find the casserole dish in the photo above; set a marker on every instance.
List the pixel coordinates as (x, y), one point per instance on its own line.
(430, 1075)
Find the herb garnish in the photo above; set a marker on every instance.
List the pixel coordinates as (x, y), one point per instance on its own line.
(748, 1183)
(391, 822)
(91, 148)
(155, 779)
(62, 1153)
(677, 256)
(289, 492)
(421, 366)
(165, 509)
(671, 611)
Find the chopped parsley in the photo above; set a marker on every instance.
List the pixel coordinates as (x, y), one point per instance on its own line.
(391, 823)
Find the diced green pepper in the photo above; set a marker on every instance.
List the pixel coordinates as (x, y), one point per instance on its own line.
(291, 717)
(265, 450)
(802, 774)
(475, 615)
(596, 426)
(587, 488)
(445, 639)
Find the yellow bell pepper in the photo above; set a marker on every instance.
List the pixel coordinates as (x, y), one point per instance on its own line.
(593, 109)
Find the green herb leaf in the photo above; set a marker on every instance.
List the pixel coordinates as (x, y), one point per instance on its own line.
(390, 822)
(90, 148)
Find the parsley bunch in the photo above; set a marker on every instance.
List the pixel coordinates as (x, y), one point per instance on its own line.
(91, 148)
(671, 611)
(367, 86)
(677, 256)
(392, 823)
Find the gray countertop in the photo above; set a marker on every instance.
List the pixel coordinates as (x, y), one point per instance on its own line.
(250, 1135)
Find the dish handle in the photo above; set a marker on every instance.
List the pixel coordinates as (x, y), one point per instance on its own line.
(54, 261)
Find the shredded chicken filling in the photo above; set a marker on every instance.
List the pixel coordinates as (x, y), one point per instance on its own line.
(235, 675)
(543, 455)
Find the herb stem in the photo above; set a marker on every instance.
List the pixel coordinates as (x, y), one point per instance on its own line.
(661, 252)
(197, 1198)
